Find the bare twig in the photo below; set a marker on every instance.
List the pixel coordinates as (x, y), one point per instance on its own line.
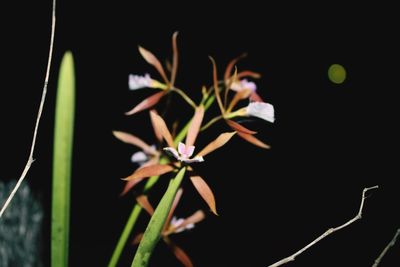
(385, 250)
(39, 114)
(328, 232)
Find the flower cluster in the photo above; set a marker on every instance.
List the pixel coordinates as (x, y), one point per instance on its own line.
(171, 152)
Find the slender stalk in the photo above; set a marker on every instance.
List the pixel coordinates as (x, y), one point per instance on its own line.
(184, 96)
(211, 122)
(328, 232)
(152, 234)
(386, 249)
(39, 114)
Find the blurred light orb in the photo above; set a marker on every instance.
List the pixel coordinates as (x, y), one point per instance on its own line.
(337, 73)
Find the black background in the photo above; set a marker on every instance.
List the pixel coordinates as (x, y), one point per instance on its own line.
(328, 143)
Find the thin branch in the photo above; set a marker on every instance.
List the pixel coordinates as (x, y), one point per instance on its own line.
(39, 114)
(385, 250)
(328, 232)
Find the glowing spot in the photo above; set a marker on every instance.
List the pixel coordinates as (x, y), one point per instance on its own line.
(337, 73)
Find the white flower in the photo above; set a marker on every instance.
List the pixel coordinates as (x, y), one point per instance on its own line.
(175, 223)
(139, 157)
(243, 84)
(184, 153)
(261, 110)
(138, 81)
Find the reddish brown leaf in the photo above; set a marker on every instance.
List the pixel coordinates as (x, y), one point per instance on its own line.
(153, 170)
(160, 125)
(194, 127)
(238, 96)
(137, 239)
(196, 217)
(205, 192)
(216, 88)
(152, 60)
(251, 139)
(248, 73)
(179, 253)
(221, 140)
(133, 140)
(175, 54)
(230, 66)
(145, 204)
(147, 103)
(238, 127)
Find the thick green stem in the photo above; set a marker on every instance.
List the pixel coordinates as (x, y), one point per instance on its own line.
(153, 231)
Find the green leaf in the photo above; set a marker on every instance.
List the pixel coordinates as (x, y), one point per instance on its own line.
(62, 158)
(153, 231)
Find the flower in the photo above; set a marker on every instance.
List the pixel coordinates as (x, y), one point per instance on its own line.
(176, 223)
(184, 153)
(142, 157)
(261, 110)
(243, 84)
(139, 82)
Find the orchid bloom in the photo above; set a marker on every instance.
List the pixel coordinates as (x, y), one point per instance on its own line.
(172, 226)
(243, 85)
(139, 82)
(184, 153)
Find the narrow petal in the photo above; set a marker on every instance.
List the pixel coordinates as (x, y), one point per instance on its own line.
(232, 64)
(134, 140)
(189, 151)
(248, 73)
(146, 103)
(157, 131)
(153, 170)
(173, 207)
(137, 239)
(216, 88)
(181, 148)
(172, 151)
(205, 192)
(251, 139)
(175, 55)
(261, 110)
(130, 184)
(159, 123)
(238, 127)
(196, 217)
(145, 204)
(152, 60)
(245, 93)
(220, 141)
(179, 253)
(255, 97)
(194, 127)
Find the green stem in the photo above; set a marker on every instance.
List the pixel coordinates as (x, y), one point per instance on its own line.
(184, 96)
(153, 231)
(211, 122)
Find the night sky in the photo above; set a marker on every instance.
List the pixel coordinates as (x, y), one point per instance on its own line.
(329, 141)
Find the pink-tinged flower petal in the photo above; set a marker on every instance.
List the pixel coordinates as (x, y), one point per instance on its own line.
(194, 127)
(243, 84)
(145, 204)
(192, 160)
(179, 253)
(220, 141)
(139, 157)
(251, 139)
(181, 148)
(136, 141)
(153, 170)
(161, 127)
(152, 60)
(238, 127)
(172, 151)
(147, 103)
(137, 81)
(205, 192)
(261, 110)
(189, 151)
